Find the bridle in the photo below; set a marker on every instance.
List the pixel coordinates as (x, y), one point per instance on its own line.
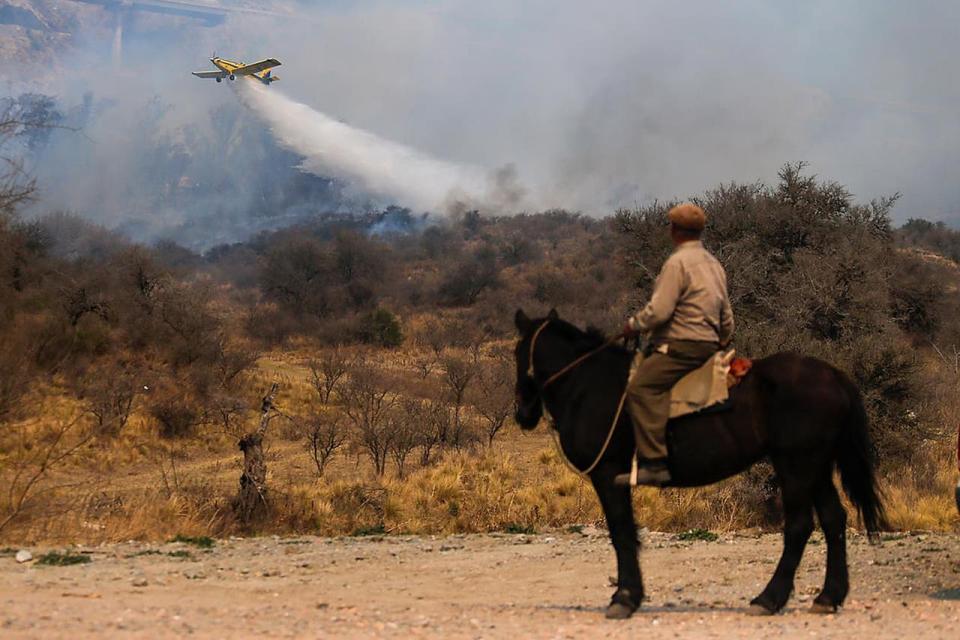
(583, 473)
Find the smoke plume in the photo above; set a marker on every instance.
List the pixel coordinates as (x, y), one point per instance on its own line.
(497, 105)
(368, 162)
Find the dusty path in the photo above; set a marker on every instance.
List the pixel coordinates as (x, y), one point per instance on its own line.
(543, 586)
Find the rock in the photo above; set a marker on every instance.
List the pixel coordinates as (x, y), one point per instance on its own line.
(23, 556)
(140, 581)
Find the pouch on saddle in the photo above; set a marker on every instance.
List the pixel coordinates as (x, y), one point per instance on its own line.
(705, 387)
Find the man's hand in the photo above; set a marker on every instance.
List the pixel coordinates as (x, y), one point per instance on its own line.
(629, 331)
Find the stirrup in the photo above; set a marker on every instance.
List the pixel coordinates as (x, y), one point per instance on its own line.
(638, 476)
(628, 479)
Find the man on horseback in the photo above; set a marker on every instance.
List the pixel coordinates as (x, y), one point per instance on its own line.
(687, 320)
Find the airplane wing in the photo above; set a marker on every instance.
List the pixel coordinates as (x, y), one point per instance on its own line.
(256, 67)
(209, 74)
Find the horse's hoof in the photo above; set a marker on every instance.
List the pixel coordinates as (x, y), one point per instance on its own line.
(759, 610)
(822, 608)
(617, 611)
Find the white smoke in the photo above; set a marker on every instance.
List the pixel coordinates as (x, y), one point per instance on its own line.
(372, 164)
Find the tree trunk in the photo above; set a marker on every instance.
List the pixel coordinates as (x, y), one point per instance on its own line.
(251, 503)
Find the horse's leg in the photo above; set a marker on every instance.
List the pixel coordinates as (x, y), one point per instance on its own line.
(618, 511)
(833, 520)
(798, 525)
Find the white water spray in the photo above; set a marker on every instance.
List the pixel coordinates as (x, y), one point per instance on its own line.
(405, 175)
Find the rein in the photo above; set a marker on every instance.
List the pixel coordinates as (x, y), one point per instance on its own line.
(583, 473)
(570, 367)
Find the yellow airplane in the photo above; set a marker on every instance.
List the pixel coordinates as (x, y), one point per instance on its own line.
(230, 69)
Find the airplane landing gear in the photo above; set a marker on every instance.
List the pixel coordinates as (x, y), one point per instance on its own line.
(219, 79)
(233, 77)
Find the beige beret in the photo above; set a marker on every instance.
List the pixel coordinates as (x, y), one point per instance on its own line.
(688, 216)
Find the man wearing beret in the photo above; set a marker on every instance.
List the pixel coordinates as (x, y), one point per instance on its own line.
(687, 320)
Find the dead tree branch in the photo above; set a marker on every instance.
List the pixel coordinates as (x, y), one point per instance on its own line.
(251, 502)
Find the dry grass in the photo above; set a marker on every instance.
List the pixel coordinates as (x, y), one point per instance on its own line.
(494, 490)
(141, 487)
(921, 495)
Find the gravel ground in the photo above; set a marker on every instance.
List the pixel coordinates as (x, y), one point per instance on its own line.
(478, 586)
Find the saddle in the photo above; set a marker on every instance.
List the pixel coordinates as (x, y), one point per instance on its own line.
(707, 387)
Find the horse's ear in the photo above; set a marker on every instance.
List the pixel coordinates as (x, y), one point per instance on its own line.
(522, 321)
(553, 315)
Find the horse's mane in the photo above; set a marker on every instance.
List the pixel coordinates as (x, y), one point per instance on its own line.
(592, 338)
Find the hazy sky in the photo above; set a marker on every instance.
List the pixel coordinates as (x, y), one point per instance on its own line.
(602, 104)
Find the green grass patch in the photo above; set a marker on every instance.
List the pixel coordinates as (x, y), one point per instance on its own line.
(376, 530)
(698, 534)
(57, 559)
(514, 527)
(7, 551)
(575, 528)
(181, 553)
(203, 542)
(145, 552)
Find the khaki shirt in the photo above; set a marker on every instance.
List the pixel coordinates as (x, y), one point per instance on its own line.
(689, 300)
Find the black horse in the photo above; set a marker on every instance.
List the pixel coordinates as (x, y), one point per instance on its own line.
(802, 414)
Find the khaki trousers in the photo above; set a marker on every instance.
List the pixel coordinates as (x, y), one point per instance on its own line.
(648, 390)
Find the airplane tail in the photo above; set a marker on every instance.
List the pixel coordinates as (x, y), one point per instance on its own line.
(267, 77)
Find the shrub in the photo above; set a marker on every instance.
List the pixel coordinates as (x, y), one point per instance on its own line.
(176, 416)
(381, 328)
(67, 558)
(471, 277)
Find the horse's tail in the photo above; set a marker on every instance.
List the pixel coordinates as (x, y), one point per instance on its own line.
(855, 462)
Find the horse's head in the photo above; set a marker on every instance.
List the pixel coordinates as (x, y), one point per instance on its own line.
(529, 405)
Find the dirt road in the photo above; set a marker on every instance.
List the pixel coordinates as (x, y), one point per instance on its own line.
(484, 586)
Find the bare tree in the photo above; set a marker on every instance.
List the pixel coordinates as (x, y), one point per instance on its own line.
(457, 376)
(108, 394)
(476, 339)
(434, 337)
(17, 120)
(327, 371)
(367, 403)
(227, 411)
(424, 364)
(494, 400)
(437, 418)
(323, 435)
(30, 460)
(410, 429)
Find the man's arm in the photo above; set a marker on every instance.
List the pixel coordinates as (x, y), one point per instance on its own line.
(726, 323)
(666, 294)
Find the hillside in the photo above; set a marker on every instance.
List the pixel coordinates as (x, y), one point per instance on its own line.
(136, 369)
(39, 35)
